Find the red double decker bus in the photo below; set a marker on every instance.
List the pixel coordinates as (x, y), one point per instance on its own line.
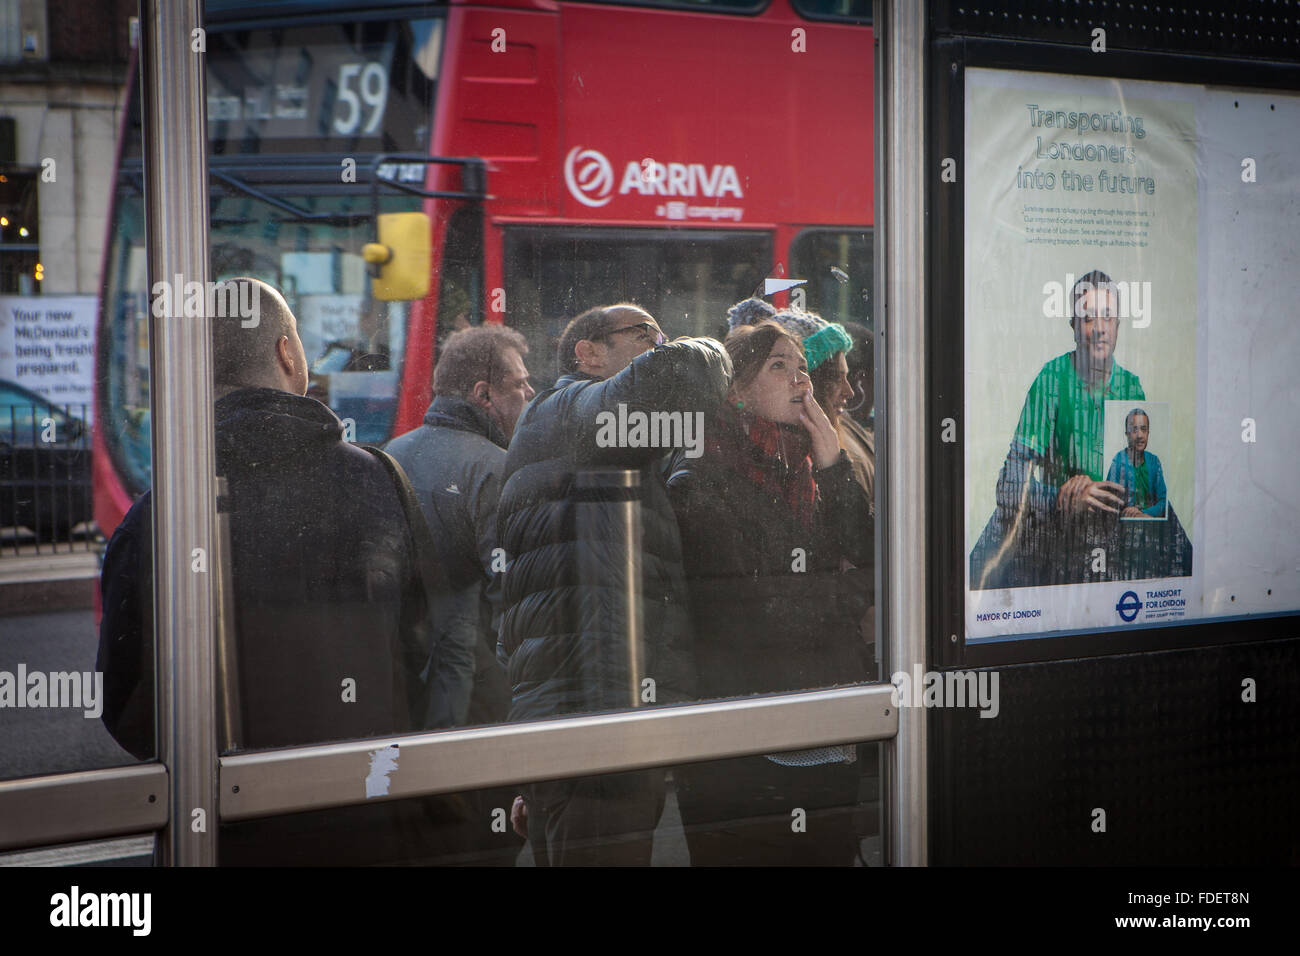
(565, 154)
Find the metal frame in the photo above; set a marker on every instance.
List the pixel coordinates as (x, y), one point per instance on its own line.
(62, 807)
(57, 808)
(184, 511)
(901, 161)
(951, 56)
(312, 778)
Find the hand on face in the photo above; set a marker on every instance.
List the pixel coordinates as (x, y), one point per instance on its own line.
(825, 440)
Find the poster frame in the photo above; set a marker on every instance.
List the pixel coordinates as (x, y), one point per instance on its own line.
(944, 136)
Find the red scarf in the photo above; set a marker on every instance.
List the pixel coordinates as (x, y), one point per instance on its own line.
(773, 456)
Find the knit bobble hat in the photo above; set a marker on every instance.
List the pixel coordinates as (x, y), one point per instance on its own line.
(821, 339)
(749, 312)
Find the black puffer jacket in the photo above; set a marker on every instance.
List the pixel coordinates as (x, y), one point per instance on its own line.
(325, 589)
(767, 617)
(568, 652)
(325, 586)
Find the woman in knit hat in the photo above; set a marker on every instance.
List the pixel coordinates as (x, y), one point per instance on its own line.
(760, 515)
(825, 345)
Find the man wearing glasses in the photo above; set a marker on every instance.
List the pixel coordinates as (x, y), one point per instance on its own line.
(563, 625)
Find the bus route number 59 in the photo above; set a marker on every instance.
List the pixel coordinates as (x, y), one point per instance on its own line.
(372, 81)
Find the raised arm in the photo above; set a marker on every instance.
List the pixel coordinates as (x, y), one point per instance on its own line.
(686, 375)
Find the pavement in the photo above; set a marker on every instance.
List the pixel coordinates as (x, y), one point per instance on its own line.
(52, 739)
(41, 577)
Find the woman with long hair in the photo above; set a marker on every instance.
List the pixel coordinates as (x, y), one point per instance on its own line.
(759, 515)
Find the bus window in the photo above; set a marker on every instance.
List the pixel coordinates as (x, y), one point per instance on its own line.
(286, 207)
(460, 300)
(838, 267)
(703, 6)
(854, 11)
(20, 237)
(687, 280)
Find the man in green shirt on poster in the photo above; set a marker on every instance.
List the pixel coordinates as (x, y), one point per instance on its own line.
(1053, 470)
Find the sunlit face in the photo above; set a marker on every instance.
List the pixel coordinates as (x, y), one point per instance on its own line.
(631, 333)
(780, 389)
(510, 393)
(1138, 431)
(1096, 326)
(836, 390)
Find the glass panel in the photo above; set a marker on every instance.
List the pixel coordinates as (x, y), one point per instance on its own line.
(650, 529)
(58, 139)
(839, 269)
(589, 548)
(686, 280)
(296, 118)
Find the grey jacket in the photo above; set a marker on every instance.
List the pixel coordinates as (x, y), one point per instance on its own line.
(455, 461)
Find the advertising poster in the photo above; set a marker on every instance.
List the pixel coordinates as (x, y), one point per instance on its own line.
(47, 345)
(1093, 305)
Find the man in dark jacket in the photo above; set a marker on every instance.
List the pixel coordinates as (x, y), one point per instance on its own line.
(455, 461)
(328, 602)
(563, 625)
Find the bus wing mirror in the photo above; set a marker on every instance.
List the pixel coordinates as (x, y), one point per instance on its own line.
(400, 261)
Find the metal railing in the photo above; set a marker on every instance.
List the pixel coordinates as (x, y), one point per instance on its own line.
(46, 503)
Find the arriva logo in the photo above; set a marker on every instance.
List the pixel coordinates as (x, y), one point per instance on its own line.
(591, 178)
(589, 175)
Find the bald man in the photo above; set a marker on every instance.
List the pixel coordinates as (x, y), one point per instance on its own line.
(328, 598)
